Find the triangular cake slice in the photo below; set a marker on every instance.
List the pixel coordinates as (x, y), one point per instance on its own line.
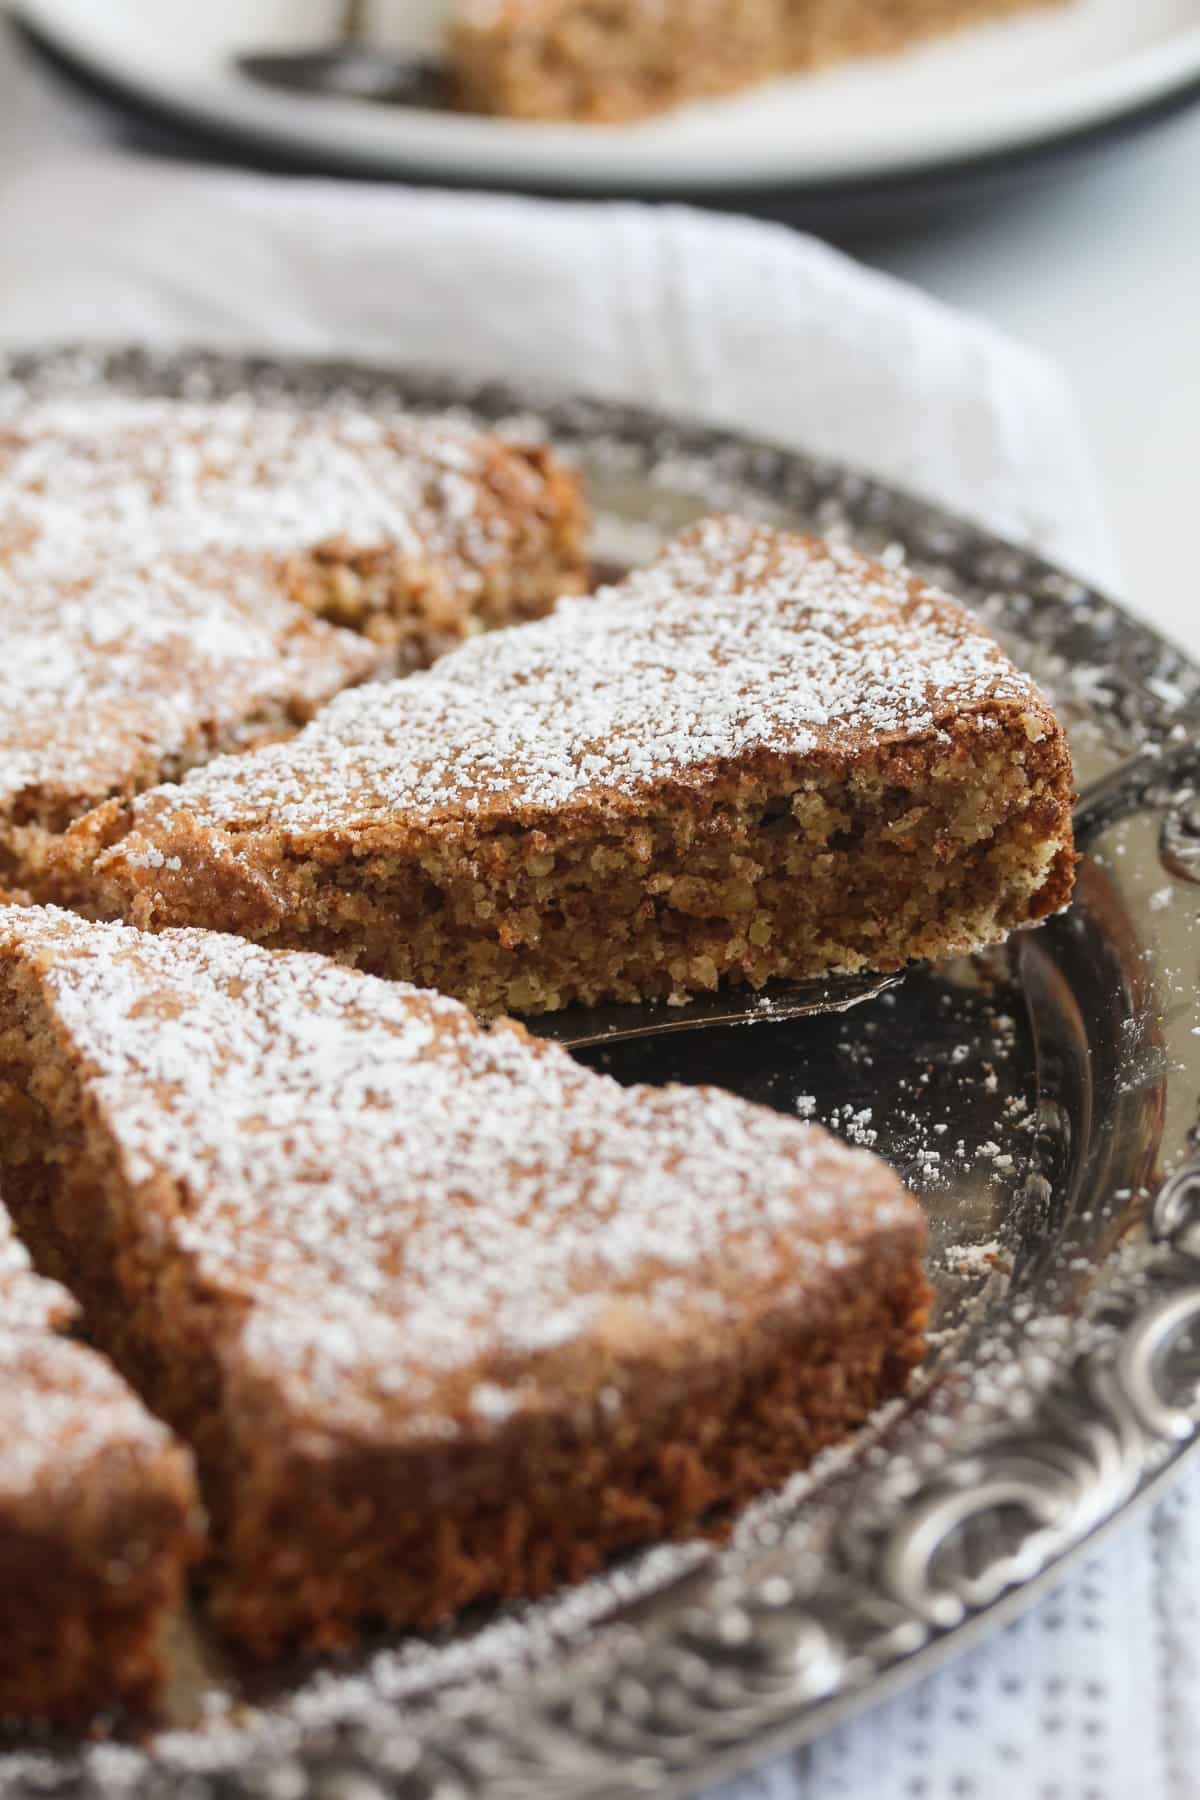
(98, 1509)
(161, 563)
(415, 531)
(446, 1315)
(115, 680)
(762, 756)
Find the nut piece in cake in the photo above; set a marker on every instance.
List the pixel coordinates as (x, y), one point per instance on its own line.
(573, 59)
(762, 756)
(417, 532)
(128, 676)
(98, 1509)
(446, 1315)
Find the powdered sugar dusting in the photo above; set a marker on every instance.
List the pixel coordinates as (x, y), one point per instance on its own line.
(104, 679)
(27, 1302)
(147, 551)
(159, 477)
(61, 1406)
(738, 641)
(419, 1211)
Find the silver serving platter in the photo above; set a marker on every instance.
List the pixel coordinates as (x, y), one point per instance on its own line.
(1043, 1102)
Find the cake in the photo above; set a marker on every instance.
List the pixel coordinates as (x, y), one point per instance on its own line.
(116, 680)
(572, 59)
(98, 1514)
(761, 756)
(179, 579)
(414, 531)
(445, 1315)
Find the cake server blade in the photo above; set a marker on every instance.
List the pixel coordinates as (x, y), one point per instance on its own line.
(578, 1027)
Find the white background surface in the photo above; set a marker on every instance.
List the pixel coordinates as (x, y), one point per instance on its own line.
(1101, 270)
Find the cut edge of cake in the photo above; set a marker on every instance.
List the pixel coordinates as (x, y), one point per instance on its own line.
(114, 682)
(415, 532)
(692, 1379)
(570, 60)
(126, 521)
(761, 757)
(99, 1516)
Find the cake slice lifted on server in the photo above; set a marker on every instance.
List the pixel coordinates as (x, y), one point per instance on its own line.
(761, 756)
(444, 1314)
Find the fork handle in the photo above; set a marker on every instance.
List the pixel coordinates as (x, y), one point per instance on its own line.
(1126, 788)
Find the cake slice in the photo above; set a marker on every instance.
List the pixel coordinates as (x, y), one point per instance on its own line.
(416, 532)
(572, 59)
(124, 677)
(762, 756)
(98, 1510)
(445, 1315)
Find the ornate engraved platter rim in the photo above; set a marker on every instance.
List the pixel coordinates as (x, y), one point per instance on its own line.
(760, 1652)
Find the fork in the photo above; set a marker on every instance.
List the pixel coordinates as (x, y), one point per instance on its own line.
(349, 68)
(1102, 803)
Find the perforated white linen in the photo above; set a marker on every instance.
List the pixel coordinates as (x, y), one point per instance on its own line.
(1090, 1696)
(1095, 1694)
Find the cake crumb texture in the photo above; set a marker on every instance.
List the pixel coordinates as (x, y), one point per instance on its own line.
(601, 64)
(761, 756)
(445, 1315)
(416, 532)
(112, 681)
(98, 1512)
(179, 580)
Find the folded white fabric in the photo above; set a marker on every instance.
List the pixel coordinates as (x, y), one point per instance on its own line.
(1092, 1696)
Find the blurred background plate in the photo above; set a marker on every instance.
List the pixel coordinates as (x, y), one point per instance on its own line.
(983, 102)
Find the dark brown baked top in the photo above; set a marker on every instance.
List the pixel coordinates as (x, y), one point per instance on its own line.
(408, 1222)
(739, 642)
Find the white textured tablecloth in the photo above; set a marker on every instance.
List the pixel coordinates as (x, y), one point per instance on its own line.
(1094, 1694)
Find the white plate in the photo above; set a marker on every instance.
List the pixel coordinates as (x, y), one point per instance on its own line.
(1042, 76)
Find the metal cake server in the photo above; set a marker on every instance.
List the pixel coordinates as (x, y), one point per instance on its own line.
(1101, 804)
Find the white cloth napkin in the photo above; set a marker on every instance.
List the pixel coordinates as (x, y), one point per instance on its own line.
(1093, 1696)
